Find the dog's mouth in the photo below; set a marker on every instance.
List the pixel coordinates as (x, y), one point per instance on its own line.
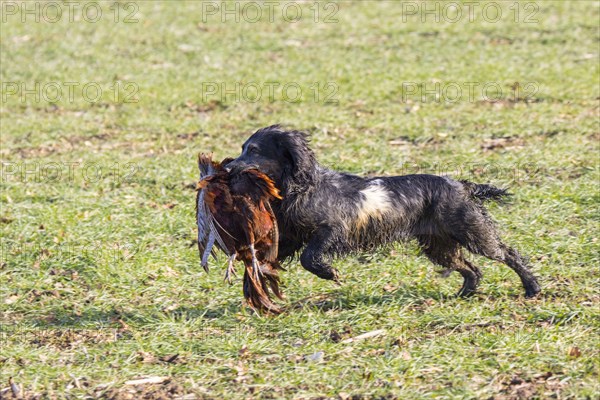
(240, 169)
(252, 167)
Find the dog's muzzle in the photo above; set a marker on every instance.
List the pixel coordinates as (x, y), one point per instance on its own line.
(237, 166)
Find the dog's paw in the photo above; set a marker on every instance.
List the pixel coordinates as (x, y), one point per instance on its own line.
(336, 278)
(532, 289)
(532, 293)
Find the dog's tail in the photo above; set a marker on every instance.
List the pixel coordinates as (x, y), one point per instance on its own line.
(485, 192)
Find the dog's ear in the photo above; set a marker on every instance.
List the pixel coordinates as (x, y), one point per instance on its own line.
(301, 157)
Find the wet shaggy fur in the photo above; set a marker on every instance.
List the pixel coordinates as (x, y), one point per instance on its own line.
(326, 213)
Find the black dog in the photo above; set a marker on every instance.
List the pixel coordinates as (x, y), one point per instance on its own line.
(334, 214)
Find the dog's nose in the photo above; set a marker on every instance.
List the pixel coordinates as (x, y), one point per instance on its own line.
(232, 165)
(237, 166)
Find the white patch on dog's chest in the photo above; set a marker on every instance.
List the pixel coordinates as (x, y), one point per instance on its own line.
(374, 204)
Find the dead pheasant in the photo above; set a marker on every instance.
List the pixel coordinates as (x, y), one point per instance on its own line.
(233, 212)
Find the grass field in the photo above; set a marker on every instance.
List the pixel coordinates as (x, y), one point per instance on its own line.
(101, 283)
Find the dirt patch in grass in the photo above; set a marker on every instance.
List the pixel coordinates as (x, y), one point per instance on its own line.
(539, 386)
(71, 338)
(503, 143)
(166, 390)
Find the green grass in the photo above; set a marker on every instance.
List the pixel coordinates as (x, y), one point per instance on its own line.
(100, 283)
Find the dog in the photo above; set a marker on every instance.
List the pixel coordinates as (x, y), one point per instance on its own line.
(326, 214)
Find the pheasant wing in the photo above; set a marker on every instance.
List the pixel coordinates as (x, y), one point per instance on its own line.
(208, 234)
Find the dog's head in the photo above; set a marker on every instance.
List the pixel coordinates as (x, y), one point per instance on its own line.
(282, 155)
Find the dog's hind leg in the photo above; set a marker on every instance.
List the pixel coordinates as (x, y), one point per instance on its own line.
(480, 237)
(313, 258)
(515, 261)
(471, 274)
(446, 252)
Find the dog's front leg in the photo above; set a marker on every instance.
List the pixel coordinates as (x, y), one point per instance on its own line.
(313, 258)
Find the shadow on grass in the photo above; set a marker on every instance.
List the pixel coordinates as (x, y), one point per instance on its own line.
(343, 299)
(88, 319)
(64, 318)
(338, 299)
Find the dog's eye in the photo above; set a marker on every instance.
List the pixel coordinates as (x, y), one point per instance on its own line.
(253, 150)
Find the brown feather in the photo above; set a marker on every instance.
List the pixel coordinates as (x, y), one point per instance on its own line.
(239, 208)
(273, 250)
